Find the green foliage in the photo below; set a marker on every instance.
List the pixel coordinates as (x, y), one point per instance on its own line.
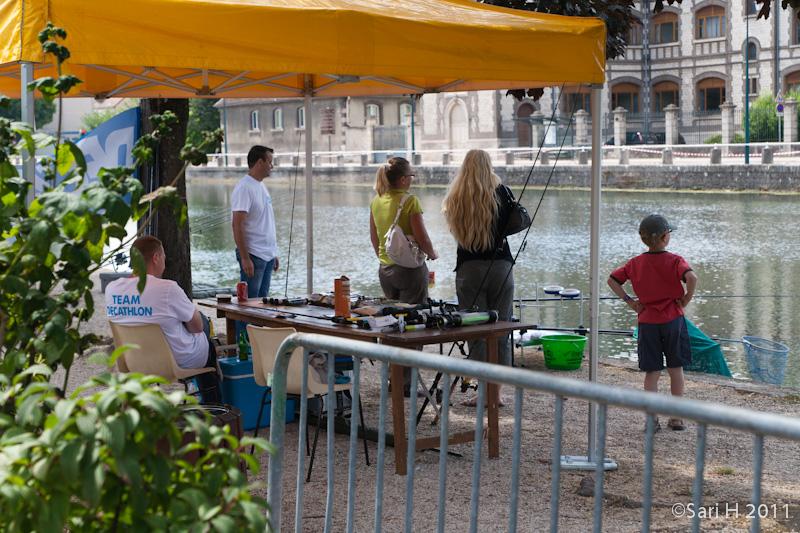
(42, 111)
(203, 117)
(91, 120)
(717, 139)
(92, 463)
(116, 461)
(763, 120)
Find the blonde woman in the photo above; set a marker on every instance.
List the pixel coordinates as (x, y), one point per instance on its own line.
(408, 285)
(476, 209)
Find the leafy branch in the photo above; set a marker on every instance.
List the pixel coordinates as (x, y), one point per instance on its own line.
(112, 456)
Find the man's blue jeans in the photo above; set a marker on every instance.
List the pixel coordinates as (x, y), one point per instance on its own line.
(257, 286)
(209, 379)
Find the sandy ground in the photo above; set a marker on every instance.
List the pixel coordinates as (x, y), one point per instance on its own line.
(728, 471)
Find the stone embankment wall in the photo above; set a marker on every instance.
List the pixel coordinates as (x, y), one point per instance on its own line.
(680, 177)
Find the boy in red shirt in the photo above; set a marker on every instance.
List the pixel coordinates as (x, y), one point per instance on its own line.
(657, 277)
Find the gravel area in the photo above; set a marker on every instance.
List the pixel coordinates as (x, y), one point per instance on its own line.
(728, 470)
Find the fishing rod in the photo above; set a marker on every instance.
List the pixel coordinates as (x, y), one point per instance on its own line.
(584, 331)
(558, 299)
(291, 222)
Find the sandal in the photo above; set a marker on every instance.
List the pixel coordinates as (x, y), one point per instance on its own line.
(676, 424)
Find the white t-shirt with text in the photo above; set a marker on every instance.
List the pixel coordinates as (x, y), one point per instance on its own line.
(163, 302)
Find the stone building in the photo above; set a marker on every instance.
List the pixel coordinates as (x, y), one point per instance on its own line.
(442, 122)
(698, 56)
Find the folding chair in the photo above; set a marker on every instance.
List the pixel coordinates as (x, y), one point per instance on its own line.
(151, 354)
(265, 343)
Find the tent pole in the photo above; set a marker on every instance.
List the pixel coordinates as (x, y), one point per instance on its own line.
(590, 461)
(309, 199)
(594, 261)
(26, 104)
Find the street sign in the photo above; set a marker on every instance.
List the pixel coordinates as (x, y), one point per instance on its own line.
(779, 110)
(779, 98)
(327, 121)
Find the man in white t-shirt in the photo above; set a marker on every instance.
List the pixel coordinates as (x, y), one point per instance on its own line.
(163, 302)
(254, 224)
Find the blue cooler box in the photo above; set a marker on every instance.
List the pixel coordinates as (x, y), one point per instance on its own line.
(239, 389)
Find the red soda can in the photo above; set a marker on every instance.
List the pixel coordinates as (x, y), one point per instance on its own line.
(241, 290)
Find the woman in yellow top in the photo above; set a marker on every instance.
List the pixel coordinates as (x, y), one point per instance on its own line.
(392, 182)
(408, 285)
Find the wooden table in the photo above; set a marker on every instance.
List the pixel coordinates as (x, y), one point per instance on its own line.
(255, 312)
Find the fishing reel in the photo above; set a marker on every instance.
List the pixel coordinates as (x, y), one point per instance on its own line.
(467, 383)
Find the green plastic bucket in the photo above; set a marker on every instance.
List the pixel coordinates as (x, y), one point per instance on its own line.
(563, 352)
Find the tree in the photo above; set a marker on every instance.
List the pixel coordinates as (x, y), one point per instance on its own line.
(115, 459)
(172, 230)
(42, 111)
(203, 116)
(763, 120)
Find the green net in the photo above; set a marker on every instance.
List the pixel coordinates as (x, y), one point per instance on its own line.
(706, 353)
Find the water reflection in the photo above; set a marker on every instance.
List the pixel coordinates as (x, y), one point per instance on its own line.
(738, 244)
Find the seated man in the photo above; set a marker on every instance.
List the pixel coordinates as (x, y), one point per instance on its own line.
(163, 302)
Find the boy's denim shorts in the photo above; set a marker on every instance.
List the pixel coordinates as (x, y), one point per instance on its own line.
(670, 340)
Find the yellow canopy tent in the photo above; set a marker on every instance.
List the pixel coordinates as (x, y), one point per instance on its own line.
(265, 48)
(291, 48)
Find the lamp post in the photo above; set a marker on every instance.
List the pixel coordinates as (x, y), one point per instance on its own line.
(747, 89)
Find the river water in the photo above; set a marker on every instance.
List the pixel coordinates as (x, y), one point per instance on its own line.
(741, 246)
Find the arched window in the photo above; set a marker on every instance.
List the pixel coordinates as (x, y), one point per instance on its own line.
(712, 94)
(626, 95)
(301, 117)
(665, 28)
(752, 51)
(405, 114)
(793, 82)
(635, 34)
(665, 93)
(373, 111)
(711, 22)
(254, 122)
(277, 118)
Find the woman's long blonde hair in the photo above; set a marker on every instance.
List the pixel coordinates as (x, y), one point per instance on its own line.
(470, 205)
(388, 175)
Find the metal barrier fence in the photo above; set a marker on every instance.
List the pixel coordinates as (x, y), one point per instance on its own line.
(759, 424)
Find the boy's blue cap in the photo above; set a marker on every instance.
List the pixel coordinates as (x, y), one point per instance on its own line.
(655, 225)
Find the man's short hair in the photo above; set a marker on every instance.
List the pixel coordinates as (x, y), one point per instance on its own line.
(147, 246)
(256, 154)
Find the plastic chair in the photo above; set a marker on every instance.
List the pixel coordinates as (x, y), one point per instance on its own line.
(151, 354)
(265, 343)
